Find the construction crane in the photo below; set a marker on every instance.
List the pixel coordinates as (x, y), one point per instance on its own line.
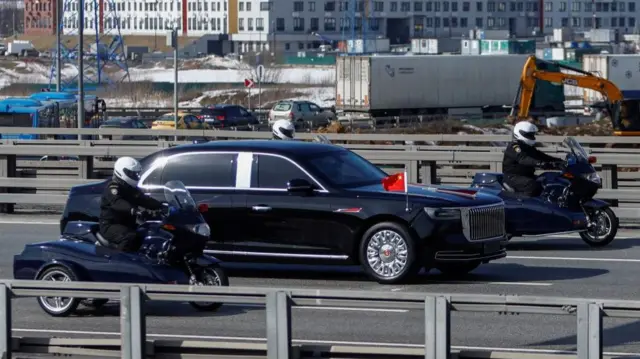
(624, 114)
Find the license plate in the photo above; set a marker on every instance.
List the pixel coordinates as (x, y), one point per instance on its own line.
(491, 247)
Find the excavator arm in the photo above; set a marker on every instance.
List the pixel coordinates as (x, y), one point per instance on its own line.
(531, 73)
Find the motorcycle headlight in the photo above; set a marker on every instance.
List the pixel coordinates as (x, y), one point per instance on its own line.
(593, 177)
(442, 213)
(200, 229)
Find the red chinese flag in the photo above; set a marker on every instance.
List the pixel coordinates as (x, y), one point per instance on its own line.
(396, 182)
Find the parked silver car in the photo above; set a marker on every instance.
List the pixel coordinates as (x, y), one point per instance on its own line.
(299, 112)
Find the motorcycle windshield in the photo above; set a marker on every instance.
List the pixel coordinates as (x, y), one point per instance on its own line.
(576, 148)
(178, 196)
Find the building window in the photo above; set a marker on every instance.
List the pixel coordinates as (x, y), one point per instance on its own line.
(248, 5)
(329, 24)
(548, 22)
(315, 24)
(405, 6)
(298, 24)
(241, 24)
(312, 6)
(417, 6)
(260, 24)
(280, 24)
(330, 6)
(298, 6)
(241, 6)
(478, 6)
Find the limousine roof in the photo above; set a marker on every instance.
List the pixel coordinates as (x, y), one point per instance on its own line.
(290, 148)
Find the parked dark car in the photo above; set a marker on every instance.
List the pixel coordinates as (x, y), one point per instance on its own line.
(297, 202)
(220, 116)
(126, 122)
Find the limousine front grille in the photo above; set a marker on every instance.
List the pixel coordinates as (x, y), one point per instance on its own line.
(479, 223)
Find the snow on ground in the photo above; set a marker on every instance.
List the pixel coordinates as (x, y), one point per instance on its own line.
(210, 69)
(282, 75)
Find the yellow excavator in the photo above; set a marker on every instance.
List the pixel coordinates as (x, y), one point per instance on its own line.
(624, 114)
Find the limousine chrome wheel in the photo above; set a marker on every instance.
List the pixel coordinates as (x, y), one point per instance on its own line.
(58, 306)
(387, 253)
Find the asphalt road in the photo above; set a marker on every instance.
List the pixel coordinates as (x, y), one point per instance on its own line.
(560, 266)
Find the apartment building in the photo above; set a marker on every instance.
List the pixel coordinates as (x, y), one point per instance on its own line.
(301, 24)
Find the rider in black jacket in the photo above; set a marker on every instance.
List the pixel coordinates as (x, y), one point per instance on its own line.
(118, 206)
(521, 158)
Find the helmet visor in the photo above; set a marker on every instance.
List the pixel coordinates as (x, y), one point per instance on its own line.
(132, 174)
(528, 135)
(286, 132)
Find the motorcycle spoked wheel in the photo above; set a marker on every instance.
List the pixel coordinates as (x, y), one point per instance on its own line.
(210, 276)
(604, 230)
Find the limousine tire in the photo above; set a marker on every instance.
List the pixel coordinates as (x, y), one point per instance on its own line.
(389, 253)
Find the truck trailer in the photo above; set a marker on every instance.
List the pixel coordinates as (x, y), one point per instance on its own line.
(431, 84)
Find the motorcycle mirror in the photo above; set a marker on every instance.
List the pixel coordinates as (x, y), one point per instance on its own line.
(592, 159)
(202, 207)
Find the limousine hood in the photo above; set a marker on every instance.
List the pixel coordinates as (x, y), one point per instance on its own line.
(431, 195)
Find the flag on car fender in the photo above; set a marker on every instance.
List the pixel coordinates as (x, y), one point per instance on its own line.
(395, 182)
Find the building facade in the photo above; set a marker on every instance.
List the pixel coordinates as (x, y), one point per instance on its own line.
(297, 25)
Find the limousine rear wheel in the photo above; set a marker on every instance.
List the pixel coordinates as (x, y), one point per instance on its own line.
(388, 253)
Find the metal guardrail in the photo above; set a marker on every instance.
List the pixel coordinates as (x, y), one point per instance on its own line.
(437, 311)
(337, 137)
(423, 162)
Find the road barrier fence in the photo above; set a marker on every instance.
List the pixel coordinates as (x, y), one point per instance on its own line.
(437, 310)
(428, 159)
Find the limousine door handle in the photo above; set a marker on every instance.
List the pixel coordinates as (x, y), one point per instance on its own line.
(260, 208)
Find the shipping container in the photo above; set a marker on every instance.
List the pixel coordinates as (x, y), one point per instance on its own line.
(622, 70)
(505, 47)
(359, 46)
(434, 46)
(602, 35)
(470, 47)
(557, 54)
(413, 83)
(562, 34)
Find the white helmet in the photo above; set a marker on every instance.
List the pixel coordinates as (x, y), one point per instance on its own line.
(127, 170)
(283, 130)
(525, 131)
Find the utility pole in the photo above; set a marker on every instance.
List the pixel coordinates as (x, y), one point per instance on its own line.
(80, 54)
(59, 9)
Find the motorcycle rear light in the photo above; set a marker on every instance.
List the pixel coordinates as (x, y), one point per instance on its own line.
(169, 227)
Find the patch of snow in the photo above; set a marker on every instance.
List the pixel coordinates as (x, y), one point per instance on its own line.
(286, 75)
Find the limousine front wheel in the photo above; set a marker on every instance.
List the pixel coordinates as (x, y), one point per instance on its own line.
(388, 253)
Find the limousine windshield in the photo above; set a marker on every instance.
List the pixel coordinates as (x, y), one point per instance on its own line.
(344, 169)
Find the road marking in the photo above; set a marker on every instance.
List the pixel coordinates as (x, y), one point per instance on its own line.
(3, 221)
(522, 283)
(621, 260)
(309, 341)
(538, 284)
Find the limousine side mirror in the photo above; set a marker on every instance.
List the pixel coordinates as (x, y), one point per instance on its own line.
(299, 185)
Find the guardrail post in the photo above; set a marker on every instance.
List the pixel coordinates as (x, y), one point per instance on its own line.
(437, 320)
(589, 331)
(609, 174)
(5, 315)
(132, 323)
(278, 325)
(428, 172)
(8, 168)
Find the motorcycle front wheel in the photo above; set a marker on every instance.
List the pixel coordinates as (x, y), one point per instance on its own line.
(211, 276)
(604, 229)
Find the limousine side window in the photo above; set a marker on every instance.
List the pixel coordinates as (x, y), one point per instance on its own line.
(274, 172)
(202, 170)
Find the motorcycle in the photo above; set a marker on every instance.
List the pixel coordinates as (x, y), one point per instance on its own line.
(172, 253)
(566, 204)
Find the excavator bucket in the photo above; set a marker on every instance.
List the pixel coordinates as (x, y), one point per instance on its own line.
(627, 121)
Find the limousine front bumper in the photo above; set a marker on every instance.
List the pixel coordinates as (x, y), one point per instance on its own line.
(467, 234)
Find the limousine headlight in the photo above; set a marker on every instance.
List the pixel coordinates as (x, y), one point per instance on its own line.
(442, 213)
(200, 229)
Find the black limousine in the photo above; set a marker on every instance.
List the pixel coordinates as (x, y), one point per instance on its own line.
(299, 202)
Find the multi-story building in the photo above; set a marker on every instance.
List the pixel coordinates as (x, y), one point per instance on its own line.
(296, 24)
(11, 17)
